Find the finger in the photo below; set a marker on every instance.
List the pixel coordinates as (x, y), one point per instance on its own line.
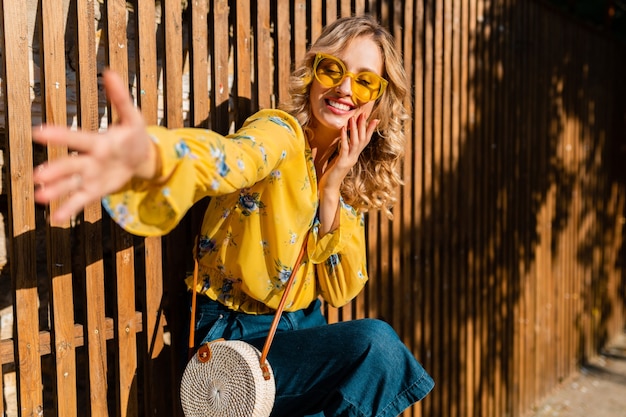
(354, 131)
(362, 126)
(344, 140)
(119, 97)
(371, 127)
(57, 170)
(44, 193)
(60, 135)
(73, 205)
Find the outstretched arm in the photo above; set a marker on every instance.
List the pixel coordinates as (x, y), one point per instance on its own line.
(104, 162)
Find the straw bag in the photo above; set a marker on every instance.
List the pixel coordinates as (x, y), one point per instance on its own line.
(231, 378)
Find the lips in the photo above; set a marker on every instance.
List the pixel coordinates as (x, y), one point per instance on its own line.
(339, 106)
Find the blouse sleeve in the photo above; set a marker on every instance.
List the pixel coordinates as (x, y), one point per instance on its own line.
(340, 258)
(197, 163)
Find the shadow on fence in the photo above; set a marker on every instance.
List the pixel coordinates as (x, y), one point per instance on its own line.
(503, 268)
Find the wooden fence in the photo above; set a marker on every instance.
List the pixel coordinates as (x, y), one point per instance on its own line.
(503, 269)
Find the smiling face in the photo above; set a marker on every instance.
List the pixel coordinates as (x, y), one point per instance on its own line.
(332, 107)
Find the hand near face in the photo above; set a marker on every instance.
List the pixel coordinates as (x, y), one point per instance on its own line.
(104, 161)
(350, 147)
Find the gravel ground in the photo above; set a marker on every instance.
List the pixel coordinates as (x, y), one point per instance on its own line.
(598, 390)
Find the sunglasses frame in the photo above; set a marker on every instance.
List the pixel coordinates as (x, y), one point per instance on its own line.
(320, 56)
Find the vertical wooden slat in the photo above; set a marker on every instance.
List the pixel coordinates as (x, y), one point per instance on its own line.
(510, 155)
(519, 250)
(411, 22)
(407, 197)
(562, 277)
(299, 32)
(457, 294)
(464, 194)
(125, 330)
(172, 80)
(472, 370)
(243, 90)
(146, 56)
(524, 308)
(359, 6)
(199, 65)
(59, 252)
(173, 114)
(416, 177)
(448, 304)
(397, 227)
(481, 387)
(346, 7)
(316, 16)
(488, 223)
(437, 217)
(533, 127)
(332, 12)
(283, 51)
(263, 44)
(87, 91)
(427, 209)
(16, 94)
(154, 402)
(498, 207)
(220, 89)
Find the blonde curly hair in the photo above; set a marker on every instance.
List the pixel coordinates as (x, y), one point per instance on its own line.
(373, 181)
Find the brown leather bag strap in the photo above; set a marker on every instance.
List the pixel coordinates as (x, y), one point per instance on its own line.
(277, 314)
(280, 308)
(192, 321)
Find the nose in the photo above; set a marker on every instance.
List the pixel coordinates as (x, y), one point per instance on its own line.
(345, 86)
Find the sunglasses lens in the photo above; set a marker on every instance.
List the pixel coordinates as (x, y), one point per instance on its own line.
(329, 72)
(366, 86)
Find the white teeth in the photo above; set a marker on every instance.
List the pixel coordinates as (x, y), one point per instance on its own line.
(339, 106)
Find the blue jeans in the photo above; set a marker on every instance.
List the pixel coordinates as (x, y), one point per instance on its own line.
(356, 368)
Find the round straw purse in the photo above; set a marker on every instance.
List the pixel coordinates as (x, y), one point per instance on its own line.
(231, 378)
(224, 379)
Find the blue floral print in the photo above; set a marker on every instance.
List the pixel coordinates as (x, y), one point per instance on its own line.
(275, 175)
(182, 149)
(119, 212)
(333, 261)
(280, 122)
(283, 272)
(250, 203)
(220, 160)
(206, 245)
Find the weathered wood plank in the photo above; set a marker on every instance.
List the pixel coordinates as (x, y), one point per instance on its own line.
(117, 55)
(152, 343)
(263, 51)
(243, 66)
(59, 252)
(283, 51)
(21, 211)
(220, 82)
(87, 97)
(199, 63)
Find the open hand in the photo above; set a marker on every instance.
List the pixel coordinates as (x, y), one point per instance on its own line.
(104, 162)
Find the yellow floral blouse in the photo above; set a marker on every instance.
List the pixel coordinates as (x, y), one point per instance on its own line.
(263, 190)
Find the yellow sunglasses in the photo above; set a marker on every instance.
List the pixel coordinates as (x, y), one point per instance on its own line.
(330, 72)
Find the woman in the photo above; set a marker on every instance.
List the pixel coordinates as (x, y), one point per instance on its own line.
(330, 155)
